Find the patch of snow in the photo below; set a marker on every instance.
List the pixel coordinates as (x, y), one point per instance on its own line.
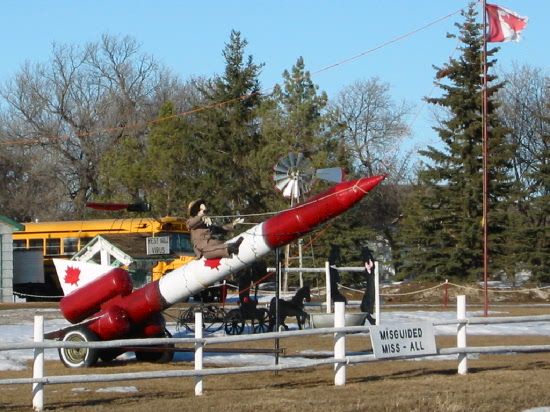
(119, 389)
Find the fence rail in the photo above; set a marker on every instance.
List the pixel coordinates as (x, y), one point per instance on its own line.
(339, 358)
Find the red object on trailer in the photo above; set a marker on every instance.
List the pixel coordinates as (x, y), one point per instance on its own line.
(139, 308)
(87, 300)
(111, 324)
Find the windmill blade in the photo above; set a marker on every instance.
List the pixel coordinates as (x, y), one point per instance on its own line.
(284, 163)
(279, 176)
(293, 159)
(300, 159)
(283, 184)
(331, 174)
(290, 189)
(279, 168)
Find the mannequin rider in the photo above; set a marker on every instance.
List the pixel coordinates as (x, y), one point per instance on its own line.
(204, 233)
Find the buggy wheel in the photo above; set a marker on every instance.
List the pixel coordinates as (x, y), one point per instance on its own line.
(187, 319)
(79, 357)
(261, 324)
(213, 318)
(234, 323)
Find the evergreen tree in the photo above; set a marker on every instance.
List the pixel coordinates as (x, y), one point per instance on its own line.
(167, 163)
(442, 229)
(122, 171)
(293, 120)
(226, 135)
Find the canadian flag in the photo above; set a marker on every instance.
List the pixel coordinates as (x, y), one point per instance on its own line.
(504, 24)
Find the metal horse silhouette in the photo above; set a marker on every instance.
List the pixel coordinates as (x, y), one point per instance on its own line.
(294, 307)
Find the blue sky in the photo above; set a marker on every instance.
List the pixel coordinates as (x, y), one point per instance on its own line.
(188, 37)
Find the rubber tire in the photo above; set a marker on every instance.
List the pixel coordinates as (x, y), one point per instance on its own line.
(79, 357)
(108, 355)
(157, 357)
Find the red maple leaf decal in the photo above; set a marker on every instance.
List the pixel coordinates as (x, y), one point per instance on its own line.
(212, 263)
(72, 275)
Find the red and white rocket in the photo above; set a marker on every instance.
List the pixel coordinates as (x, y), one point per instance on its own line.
(117, 312)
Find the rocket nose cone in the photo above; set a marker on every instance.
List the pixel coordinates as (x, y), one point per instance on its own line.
(367, 183)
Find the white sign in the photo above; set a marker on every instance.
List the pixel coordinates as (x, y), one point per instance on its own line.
(158, 245)
(403, 339)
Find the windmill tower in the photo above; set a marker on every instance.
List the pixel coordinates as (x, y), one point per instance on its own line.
(294, 175)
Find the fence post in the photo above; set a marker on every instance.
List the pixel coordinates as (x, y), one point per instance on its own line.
(38, 366)
(198, 352)
(446, 293)
(339, 343)
(461, 334)
(376, 293)
(328, 289)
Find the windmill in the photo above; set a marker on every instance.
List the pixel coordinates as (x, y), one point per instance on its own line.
(294, 176)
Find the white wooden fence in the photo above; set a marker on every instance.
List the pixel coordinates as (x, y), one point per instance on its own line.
(340, 359)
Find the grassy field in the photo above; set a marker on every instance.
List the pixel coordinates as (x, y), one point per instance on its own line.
(494, 382)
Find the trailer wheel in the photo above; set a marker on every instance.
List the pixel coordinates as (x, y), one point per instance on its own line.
(107, 355)
(158, 356)
(79, 357)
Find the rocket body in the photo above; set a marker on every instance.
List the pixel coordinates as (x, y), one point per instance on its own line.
(276, 231)
(130, 313)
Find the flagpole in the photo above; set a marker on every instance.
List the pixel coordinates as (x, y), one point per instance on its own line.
(485, 165)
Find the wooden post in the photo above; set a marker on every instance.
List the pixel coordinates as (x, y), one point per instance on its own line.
(38, 366)
(461, 334)
(328, 288)
(198, 352)
(339, 343)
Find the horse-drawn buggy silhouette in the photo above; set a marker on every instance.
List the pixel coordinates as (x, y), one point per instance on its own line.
(248, 311)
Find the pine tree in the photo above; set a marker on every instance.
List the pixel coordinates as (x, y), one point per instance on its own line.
(442, 229)
(293, 120)
(167, 163)
(226, 135)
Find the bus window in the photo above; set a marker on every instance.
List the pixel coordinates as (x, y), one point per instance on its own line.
(84, 241)
(70, 245)
(53, 246)
(36, 244)
(180, 242)
(19, 244)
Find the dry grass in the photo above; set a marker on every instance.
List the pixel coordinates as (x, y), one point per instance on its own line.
(494, 382)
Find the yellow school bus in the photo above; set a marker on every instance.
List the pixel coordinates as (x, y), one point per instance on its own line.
(63, 239)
